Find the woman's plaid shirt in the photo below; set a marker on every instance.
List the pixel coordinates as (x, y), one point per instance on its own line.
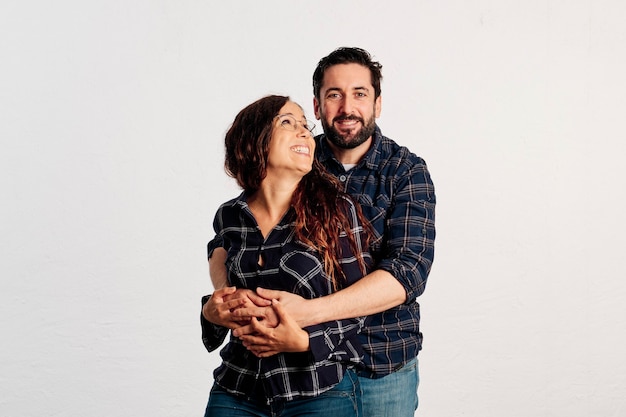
(289, 266)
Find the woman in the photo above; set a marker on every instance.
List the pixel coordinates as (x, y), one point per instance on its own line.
(290, 229)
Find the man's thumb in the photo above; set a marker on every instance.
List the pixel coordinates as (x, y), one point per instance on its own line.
(268, 294)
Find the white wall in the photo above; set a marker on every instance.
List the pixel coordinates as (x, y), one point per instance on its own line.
(112, 119)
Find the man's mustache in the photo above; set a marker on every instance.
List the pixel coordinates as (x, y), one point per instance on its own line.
(349, 117)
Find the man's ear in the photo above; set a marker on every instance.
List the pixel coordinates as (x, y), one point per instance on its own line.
(378, 106)
(316, 108)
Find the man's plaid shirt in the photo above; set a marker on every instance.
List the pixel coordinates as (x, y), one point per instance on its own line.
(396, 193)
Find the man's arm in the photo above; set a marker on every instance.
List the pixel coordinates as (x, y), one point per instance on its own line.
(400, 277)
(374, 293)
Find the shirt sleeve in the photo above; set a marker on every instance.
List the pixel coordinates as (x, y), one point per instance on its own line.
(336, 340)
(216, 242)
(410, 232)
(212, 335)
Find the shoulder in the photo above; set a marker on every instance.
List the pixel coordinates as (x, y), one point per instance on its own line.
(390, 149)
(239, 201)
(231, 207)
(401, 167)
(396, 159)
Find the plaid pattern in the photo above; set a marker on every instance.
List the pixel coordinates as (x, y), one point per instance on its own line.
(289, 266)
(397, 195)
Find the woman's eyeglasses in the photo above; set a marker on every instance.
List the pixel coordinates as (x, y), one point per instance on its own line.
(289, 122)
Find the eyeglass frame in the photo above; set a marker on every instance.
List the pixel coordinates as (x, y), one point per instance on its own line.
(307, 124)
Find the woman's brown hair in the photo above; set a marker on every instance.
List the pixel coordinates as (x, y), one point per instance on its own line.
(319, 204)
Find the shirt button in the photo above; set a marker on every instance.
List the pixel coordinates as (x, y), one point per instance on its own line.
(342, 178)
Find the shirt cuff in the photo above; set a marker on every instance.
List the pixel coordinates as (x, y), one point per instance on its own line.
(212, 335)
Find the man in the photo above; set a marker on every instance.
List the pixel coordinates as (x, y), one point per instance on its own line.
(395, 191)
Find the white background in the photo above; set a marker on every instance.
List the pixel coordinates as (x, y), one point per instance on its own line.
(112, 116)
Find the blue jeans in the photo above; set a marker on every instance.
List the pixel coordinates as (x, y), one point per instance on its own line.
(394, 395)
(344, 400)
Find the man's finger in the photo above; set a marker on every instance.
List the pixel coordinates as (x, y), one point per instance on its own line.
(233, 304)
(222, 292)
(235, 293)
(258, 300)
(268, 294)
(249, 312)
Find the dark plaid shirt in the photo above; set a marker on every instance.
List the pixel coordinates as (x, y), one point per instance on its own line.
(288, 265)
(397, 195)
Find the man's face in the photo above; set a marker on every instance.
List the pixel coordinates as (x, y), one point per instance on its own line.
(347, 107)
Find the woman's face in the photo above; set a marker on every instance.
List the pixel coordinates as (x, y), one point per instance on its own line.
(291, 147)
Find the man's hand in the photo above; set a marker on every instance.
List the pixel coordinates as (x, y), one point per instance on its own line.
(292, 304)
(267, 341)
(219, 308)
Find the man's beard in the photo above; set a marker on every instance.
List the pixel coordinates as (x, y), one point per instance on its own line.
(349, 140)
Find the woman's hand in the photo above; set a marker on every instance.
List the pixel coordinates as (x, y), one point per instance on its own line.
(292, 304)
(287, 336)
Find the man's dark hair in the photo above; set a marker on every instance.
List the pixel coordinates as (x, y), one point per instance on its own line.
(347, 55)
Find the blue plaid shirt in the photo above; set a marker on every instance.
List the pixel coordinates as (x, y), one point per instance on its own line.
(290, 266)
(397, 195)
